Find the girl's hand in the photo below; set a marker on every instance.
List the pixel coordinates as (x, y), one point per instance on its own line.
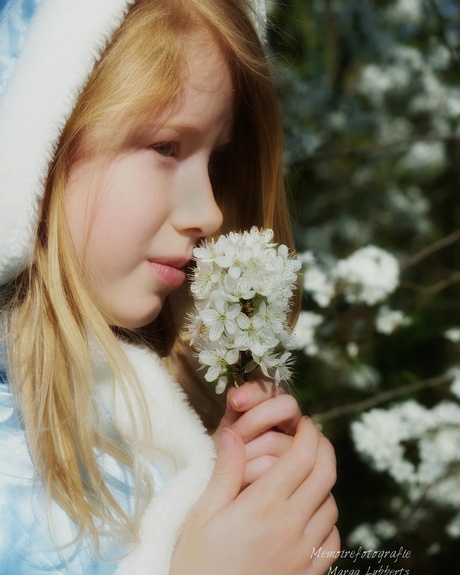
(266, 419)
(281, 524)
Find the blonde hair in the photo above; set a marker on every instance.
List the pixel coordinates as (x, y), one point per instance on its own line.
(53, 310)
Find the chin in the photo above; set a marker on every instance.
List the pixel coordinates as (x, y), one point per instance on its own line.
(133, 322)
(138, 323)
(135, 313)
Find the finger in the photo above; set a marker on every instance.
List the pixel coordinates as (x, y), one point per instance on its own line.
(228, 419)
(251, 393)
(262, 452)
(247, 396)
(227, 477)
(271, 443)
(325, 555)
(258, 468)
(320, 481)
(281, 412)
(292, 468)
(321, 523)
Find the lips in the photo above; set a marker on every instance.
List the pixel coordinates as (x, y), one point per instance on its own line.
(170, 271)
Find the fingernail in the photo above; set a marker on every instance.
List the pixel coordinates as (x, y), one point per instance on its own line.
(240, 399)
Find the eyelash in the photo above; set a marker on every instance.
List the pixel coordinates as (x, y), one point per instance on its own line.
(171, 149)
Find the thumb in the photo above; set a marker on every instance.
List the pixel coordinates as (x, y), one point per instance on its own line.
(228, 474)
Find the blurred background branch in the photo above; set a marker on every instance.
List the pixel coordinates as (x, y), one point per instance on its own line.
(380, 398)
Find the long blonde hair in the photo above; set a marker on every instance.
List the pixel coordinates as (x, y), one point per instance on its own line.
(53, 310)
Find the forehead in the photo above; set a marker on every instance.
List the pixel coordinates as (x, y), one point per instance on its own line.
(199, 92)
(208, 78)
(206, 99)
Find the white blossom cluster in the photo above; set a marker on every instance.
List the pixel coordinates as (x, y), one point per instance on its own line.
(383, 436)
(368, 276)
(407, 11)
(388, 320)
(414, 75)
(452, 334)
(305, 328)
(370, 535)
(317, 281)
(407, 102)
(426, 156)
(242, 287)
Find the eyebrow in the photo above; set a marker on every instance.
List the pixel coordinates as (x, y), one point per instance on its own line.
(224, 139)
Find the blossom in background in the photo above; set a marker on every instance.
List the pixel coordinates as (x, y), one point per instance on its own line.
(383, 171)
(352, 349)
(370, 536)
(454, 372)
(242, 286)
(316, 280)
(388, 320)
(362, 376)
(407, 11)
(305, 331)
(452, 334)
(424, 156)
(368, 276)
(382, 436)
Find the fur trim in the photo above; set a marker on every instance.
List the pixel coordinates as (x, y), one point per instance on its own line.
(185, 459)
(65, 40)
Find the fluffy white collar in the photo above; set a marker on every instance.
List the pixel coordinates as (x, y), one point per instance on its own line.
(178, 432)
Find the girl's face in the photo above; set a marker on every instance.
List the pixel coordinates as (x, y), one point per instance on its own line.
(136, 211)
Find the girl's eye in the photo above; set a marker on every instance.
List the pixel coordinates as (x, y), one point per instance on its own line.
(166, 149)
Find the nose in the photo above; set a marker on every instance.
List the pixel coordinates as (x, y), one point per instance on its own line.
(196, 211)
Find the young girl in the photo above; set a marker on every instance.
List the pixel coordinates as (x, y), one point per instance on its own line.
(130, 130)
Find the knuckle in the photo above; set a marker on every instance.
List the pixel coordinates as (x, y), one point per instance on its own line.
(328, 449)
(258, 467)
(331, 547)
(307, 432)
(289, 404)
(333, 540)
(307, 426)
(265, 463)
(270, 441)
(332, 509)
(327, 462)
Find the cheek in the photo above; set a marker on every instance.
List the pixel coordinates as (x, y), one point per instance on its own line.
(115, 211)
(123, 227)
(106, 211)
(129, 204)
